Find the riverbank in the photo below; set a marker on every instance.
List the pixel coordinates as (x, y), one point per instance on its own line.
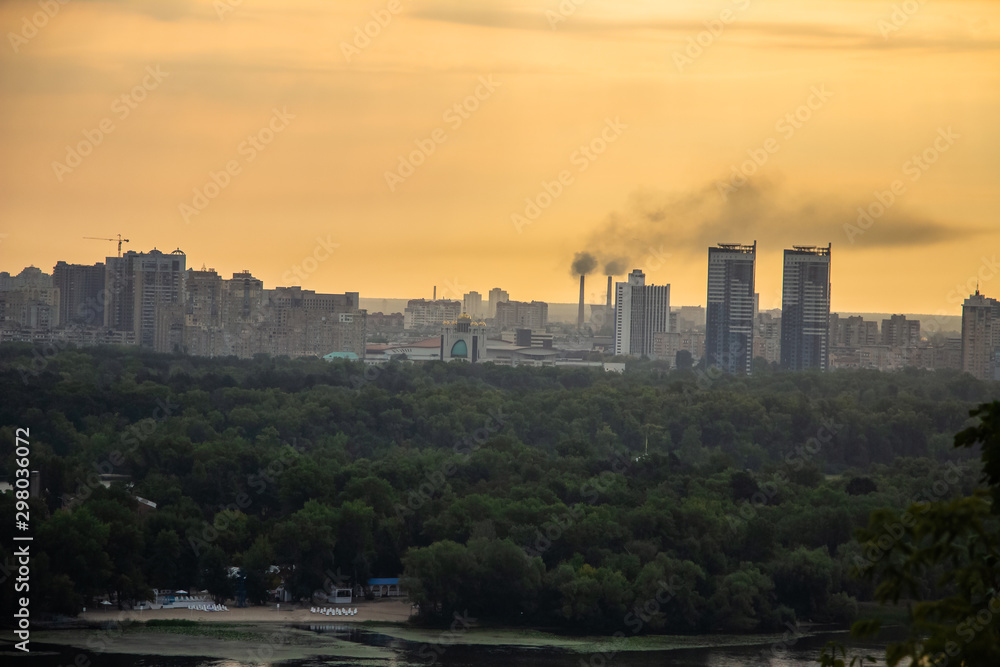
(381, 611)
(321, 635)
(248, 643)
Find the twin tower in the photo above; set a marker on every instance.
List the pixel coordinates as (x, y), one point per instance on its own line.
(642, 310)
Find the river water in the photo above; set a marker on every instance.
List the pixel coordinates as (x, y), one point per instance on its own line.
(803, 650)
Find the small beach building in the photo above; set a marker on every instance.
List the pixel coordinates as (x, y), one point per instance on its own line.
(385, 588)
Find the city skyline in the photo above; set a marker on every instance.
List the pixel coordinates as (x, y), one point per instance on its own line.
(642, 133)
(449, 290)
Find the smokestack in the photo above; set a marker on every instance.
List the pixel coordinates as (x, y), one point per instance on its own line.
(435, 292)
(579, 317)
(609, 296)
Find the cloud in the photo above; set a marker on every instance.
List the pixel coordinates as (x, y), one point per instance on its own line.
(163, 10)
(654, 222)
(509, 14)
(495, 14)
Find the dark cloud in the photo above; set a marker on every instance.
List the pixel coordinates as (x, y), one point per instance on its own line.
(654, 223)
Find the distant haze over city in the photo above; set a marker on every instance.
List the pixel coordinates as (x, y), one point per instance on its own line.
(567, 312)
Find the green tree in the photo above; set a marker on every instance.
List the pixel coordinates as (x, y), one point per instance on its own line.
(81, 540)
(440, 578)
(744, 601)
(957, 543)
(213, 570)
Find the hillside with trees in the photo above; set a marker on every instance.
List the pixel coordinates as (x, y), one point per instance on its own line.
(649, 501)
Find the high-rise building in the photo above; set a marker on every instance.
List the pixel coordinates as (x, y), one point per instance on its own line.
(641, 311)
(81, 293)
(497, 295)
(521, 315)
(690, 318)
(29, 308)
(30, 276)
(203, 299)
(157, 282)
(767, 338)
(298, 322)
(29, 301)
(136, 285)
(805, 308)
(981, 337)
(729, 323)
(242, 299)
(854, 331)
(897, 331)
(472, 304)
(202, 313)
(667, 344)
(118, 285)
(421, 313)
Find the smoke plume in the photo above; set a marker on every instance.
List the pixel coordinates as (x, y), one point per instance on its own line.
(583, 263)
(655, 224)
(615, 267)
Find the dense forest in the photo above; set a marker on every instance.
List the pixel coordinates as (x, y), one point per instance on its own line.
(653, 500)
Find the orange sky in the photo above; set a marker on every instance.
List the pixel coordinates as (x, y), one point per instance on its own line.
(677, 118)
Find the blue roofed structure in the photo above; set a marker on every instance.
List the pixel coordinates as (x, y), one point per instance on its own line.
(385, 587)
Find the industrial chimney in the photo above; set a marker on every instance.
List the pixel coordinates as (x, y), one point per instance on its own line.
(609, 297)
(435, 293)
(579, 317)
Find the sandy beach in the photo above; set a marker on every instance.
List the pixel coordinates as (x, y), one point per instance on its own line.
(383, 611)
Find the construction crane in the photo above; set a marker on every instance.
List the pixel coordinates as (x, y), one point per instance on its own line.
(119, 239)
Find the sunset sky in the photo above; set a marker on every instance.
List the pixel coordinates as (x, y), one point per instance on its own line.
(668, 121)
